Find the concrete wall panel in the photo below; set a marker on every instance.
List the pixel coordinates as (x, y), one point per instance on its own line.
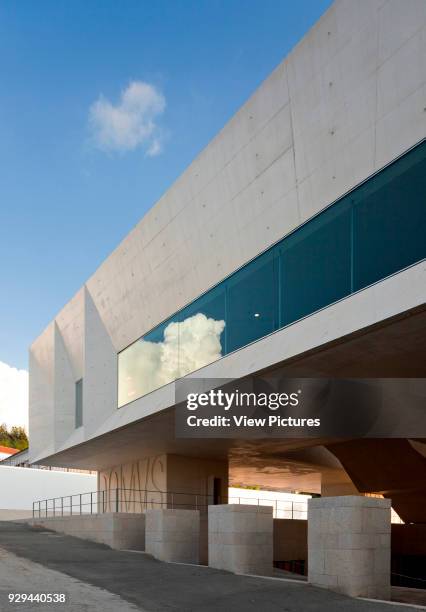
(64, 391)
(41, 394)
(21, 486)
(100, 370)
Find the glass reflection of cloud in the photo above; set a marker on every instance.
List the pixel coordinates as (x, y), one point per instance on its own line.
(187, 346)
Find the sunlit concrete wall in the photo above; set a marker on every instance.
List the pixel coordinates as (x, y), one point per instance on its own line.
(348, 99)
(163, 481)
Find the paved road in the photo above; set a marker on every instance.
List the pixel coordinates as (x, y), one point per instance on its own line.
(19, 575)
(163, 587)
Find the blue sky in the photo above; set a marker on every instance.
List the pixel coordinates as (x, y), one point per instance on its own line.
(70, 188)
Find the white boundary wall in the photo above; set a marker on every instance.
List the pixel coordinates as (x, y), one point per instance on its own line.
(21, 486)
(284, 505)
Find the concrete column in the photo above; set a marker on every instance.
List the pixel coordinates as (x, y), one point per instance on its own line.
(241, 538)
(173, 535)
(349, 545)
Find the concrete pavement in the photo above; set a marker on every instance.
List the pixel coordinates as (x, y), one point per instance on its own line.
(151, 585)
(18, 575)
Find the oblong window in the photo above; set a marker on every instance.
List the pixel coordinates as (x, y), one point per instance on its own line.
(379, 228)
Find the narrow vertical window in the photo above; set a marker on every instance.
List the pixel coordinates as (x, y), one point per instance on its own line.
(79, 403)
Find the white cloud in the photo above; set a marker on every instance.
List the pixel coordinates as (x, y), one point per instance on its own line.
(13, 396)
(155, 148)
(131, 123)
(187, 346)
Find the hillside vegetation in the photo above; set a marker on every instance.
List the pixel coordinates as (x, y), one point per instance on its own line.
(15, 437)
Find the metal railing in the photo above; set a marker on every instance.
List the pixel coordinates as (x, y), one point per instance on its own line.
(285, 509)
(119, 500)
(139, 500)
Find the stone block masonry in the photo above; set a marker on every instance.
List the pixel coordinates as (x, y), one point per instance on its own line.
(119, 530)
(241, 538)
(349, 541)
(173, 535)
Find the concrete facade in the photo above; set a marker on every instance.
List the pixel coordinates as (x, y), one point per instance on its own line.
(349, 540)
(161, 481)
(348, 100)
(120, 531)
(241, 538)
(329, 115)
(173, 535)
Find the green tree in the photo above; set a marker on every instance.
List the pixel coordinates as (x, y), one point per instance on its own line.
(15, 437)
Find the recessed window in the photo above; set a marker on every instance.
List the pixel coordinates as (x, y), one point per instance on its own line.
(79, 403)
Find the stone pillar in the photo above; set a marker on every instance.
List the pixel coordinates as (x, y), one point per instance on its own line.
(241, 538)
(349, 545)
(173, 535)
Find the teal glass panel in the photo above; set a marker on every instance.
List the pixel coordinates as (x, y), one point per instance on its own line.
(315, 266)
(149, 363)
(390, 219)
(377, 229)
(252, 303)
(202, 331)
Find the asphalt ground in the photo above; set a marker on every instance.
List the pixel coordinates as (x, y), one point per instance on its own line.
(152, 585)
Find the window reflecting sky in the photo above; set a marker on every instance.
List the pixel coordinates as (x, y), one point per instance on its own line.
(372, 232)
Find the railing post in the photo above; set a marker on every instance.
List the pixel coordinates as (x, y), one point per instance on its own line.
(196, 502)
(54, 506)
(292, 507)
(276, 508)
(173, 501)
(70, 505)
(62, 506)
(80, 504)
(116, 500)
(46, 508)
(103, 501)
(91, 502)
(33, 509)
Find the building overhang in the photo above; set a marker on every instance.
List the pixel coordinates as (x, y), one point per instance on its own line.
(378, 332)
